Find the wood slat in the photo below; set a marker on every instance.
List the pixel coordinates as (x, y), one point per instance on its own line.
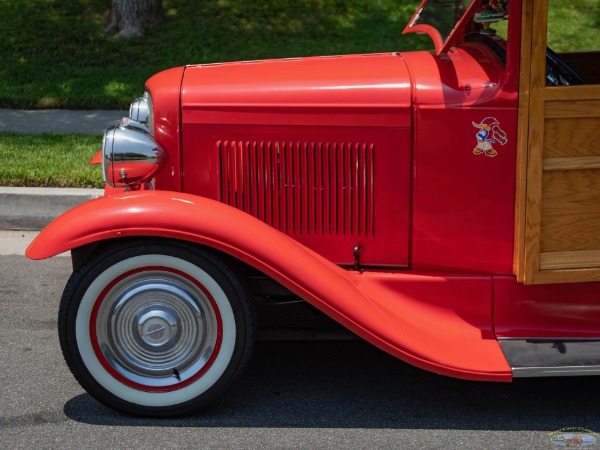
(570, 260)
(571, 93)
(566, 276)
(519, 255)
(576, 163)
(571, 137)
(572, 108)
(535, 139)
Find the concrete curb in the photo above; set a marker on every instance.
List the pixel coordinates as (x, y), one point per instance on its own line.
(34, 208)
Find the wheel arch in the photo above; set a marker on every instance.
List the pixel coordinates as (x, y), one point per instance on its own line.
(187, 218)
(347, 297)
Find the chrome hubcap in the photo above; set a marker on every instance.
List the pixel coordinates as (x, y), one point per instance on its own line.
(157, 329)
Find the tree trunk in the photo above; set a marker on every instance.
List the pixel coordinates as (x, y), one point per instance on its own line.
(132, 18)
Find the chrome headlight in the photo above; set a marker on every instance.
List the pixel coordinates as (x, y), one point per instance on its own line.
(141, 111)
(130, 154)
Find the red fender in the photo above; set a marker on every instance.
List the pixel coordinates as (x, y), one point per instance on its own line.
(438, 323)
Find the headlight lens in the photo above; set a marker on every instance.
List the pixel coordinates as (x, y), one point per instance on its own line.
(141, 111)
(130, 154)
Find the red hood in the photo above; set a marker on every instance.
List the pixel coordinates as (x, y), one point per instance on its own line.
(354, 90)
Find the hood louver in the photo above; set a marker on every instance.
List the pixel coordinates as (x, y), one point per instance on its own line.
(301, 187)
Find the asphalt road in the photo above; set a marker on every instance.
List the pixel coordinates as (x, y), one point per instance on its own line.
(301, 394)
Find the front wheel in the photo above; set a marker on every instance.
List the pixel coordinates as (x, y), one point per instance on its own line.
(155, 328)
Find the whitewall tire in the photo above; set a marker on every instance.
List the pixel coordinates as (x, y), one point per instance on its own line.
(156, 328)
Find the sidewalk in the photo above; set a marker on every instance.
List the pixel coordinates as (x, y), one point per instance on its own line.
(34, 208)
(58, 121)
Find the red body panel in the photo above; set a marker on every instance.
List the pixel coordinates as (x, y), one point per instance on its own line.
(463, 203)
(165, 88)
(319, 148)
(329, 189)
(425, 319)
(546, 311)
(355, 90)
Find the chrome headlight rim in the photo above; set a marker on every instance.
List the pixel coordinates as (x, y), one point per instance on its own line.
(131, 154)
(141, 110)
(150, 122)
(107, 146)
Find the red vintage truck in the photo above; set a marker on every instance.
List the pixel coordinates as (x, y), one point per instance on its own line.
(443, 205)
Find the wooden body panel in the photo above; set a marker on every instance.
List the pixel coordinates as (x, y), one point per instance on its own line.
(558, 192)
(570, 210)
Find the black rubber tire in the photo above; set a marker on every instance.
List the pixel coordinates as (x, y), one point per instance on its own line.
(111, 258)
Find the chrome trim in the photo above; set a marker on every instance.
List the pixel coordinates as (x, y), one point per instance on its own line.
(139, 110)
(134, 124)
(569, 371)
(150, 122)
(130, 154)
(157, 328)
(545, 357)
(552, 338)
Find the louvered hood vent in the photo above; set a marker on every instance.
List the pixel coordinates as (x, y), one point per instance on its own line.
(309, 188)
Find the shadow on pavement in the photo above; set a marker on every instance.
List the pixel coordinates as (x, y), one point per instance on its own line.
(353, 385)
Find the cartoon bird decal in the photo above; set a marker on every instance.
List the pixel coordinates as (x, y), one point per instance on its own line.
(489, 133)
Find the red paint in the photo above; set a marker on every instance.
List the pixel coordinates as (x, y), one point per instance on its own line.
(463, 203)
(354, 90)
(331, 190)
(165, 88)
(323, 143)
(550, 311)
(96, 159)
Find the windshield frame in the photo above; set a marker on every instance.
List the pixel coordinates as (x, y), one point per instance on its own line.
(454, 37)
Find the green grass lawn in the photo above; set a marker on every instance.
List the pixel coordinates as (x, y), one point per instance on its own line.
(55, 54)
(49, 160)
(574, 25)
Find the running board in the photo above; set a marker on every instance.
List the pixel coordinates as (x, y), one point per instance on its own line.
(552, 357)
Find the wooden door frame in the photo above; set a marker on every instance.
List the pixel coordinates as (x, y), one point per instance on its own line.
(536, 103)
